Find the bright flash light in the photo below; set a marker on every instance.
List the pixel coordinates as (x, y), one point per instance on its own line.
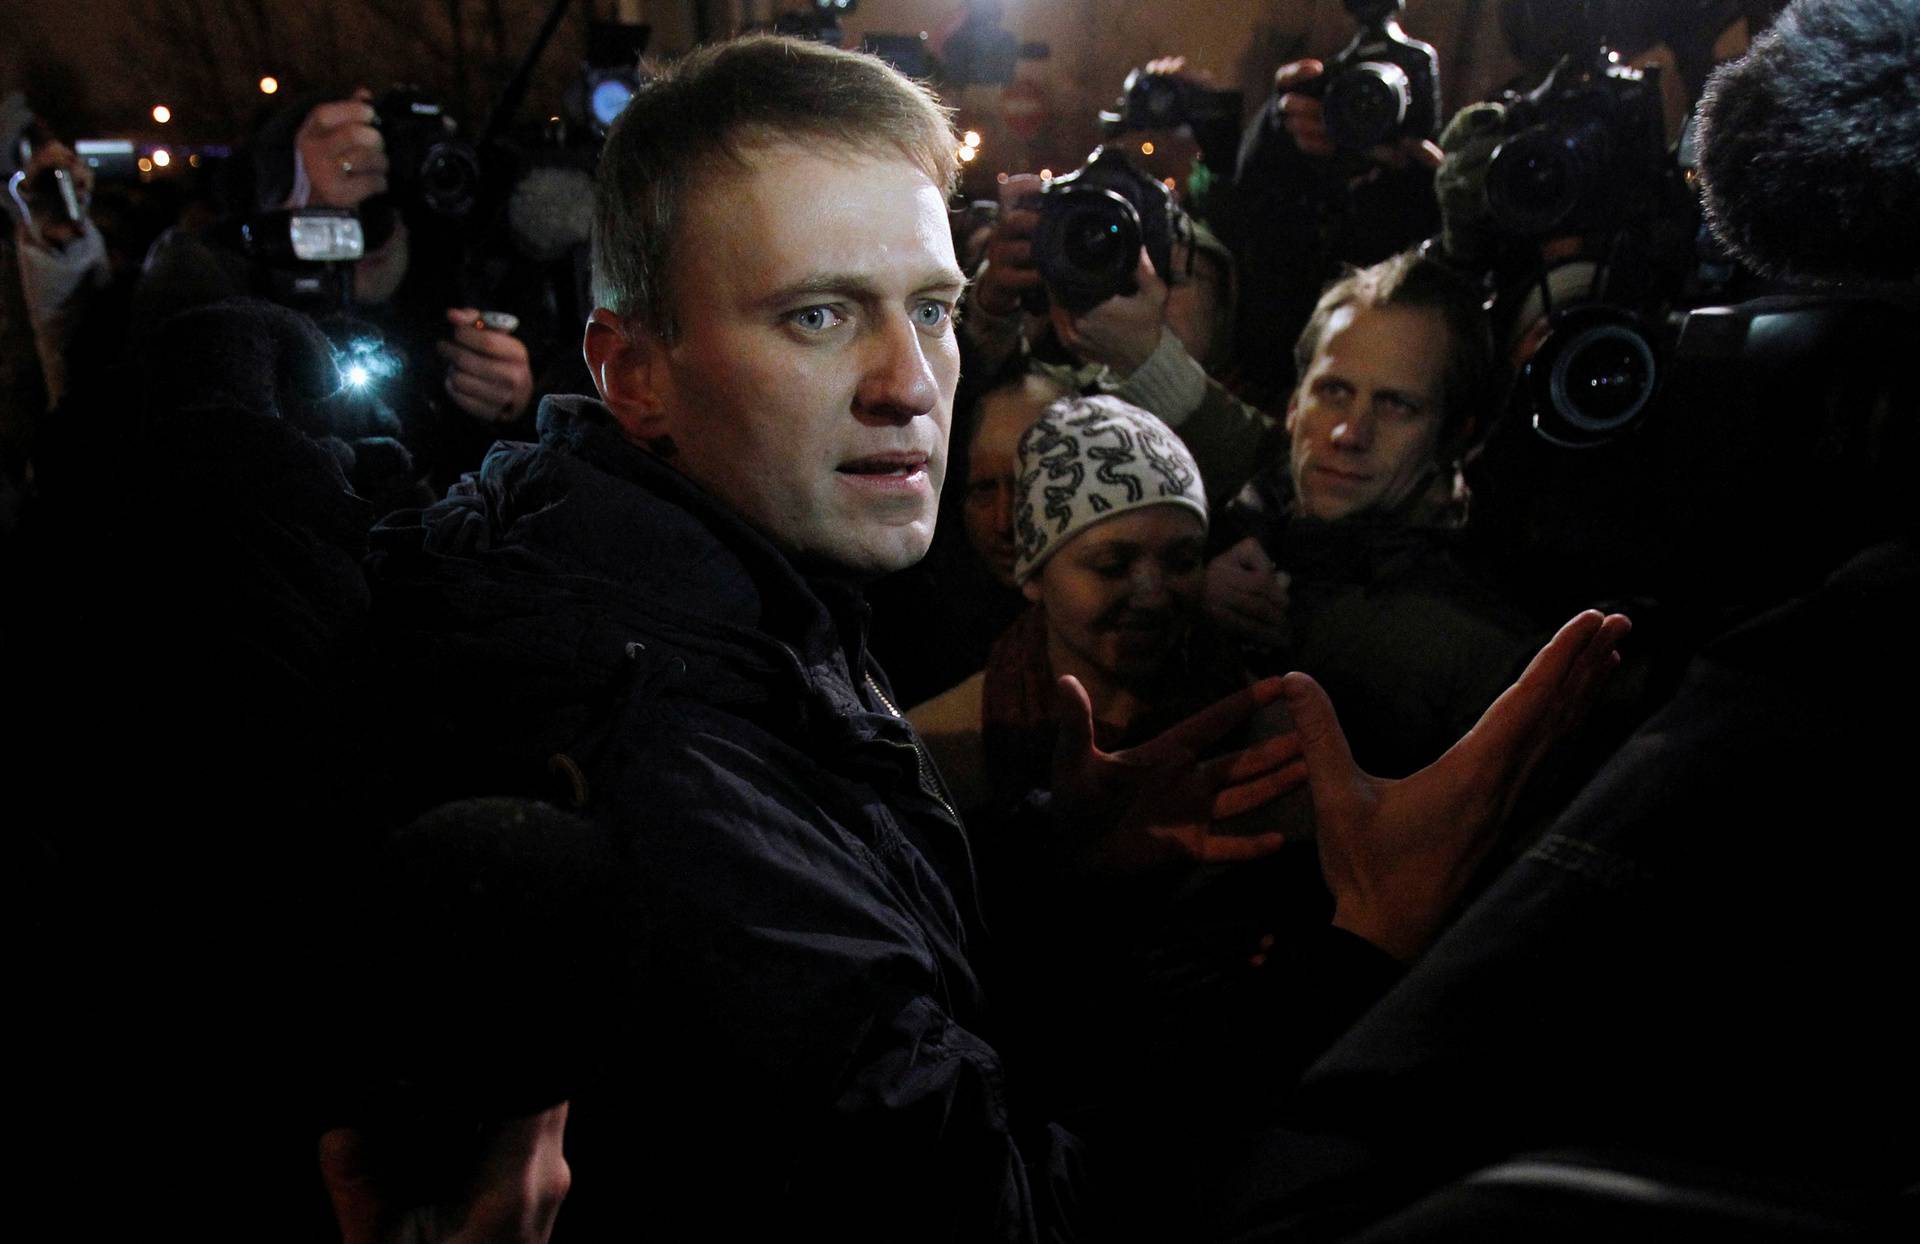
(966, 154)
(269, 84)
(971, 138)
(1167, 182)
(162, 157)
(1046, 174)
(162, 113)
(365, 365)
(146, 165)
(1146, 148)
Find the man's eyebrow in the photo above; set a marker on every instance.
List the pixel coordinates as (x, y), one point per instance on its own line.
(859, 285)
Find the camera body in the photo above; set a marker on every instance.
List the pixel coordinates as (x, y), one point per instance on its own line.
(1584, 152)
(1154, 101)
(1383, 86)
(1093, 222)
(429, 165)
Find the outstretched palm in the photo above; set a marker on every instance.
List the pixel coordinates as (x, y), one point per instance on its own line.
(1397, 854)
(1158, 802)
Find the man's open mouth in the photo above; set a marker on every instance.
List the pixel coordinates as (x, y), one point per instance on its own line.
(899, 466)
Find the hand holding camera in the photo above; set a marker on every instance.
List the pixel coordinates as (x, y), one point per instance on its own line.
(52, 191)
(1010, 275)
(1121, 332)
(343, 152)
(1301, 86)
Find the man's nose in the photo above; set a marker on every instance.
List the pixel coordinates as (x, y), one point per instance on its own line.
(898, 383)
(1354, 431)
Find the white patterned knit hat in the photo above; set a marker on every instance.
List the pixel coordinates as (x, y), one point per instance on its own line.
(1087, 459)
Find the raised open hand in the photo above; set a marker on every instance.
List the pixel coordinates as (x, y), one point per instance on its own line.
(1397, 854)
(1158, 803)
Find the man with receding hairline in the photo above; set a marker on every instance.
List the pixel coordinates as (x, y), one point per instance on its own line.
(656, 613)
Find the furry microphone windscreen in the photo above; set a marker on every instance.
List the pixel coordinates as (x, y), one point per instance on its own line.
(550, 212)
(1811, 143)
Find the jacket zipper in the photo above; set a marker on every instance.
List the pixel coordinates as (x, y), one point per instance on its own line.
(928, 778)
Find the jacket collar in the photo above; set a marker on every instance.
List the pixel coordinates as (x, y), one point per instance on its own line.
(713, 584)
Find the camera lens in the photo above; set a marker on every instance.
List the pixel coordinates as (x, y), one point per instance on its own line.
(1086, 246)
(450, 179)
(1367, 104)
(1592, 378)
(1538, 177)
(1093, 240)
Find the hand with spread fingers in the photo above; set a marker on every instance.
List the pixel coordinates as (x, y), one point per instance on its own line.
(513, 1193)
(1158, 803)
(1398, 854)
(343, 152)
(489, 374)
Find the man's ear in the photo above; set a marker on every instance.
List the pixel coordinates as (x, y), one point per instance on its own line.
(1293, 407)
(628, 365)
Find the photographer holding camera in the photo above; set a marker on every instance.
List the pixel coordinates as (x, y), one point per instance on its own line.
(53, 265)
(1149, 343)
(333, 161)
(1335, 170)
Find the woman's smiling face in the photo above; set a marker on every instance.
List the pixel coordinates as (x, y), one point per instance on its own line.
(1121, 594)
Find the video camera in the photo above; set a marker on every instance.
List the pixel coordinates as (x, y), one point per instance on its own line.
(1093, 222)
(1382, 86)
(1583, 157)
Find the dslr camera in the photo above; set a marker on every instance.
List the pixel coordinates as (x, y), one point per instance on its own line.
(1583, 152)
(1155, 101)
(1093, 222)
(1584, 155)
(1384, 85)
(429, 164)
